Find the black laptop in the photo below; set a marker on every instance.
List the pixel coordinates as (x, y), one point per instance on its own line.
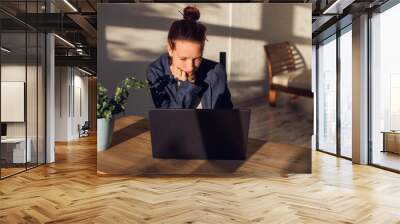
(199, 134)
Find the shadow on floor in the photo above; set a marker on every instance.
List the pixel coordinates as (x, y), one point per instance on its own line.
(230, 166)
(129, 132)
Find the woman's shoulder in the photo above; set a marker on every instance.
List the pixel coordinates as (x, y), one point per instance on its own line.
(159, 63)
(210, 64)
(158, 67)
(213, 68)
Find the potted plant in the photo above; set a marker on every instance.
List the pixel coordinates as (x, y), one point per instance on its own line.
(108, 108)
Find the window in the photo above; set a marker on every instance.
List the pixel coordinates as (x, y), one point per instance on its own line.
(385, 89)
(334, 101)
(346, 92)
(327, 95)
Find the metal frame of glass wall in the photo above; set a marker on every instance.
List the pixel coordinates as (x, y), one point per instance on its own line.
(35, 82)
(335, 37)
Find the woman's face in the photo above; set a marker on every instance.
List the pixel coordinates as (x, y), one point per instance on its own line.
(186, 55)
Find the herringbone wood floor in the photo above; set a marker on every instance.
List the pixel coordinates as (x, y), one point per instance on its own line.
(69, 191)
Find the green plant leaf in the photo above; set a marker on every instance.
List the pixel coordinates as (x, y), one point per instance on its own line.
(107, 107)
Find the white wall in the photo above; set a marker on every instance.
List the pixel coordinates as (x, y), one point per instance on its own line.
(61, 103)
(14, 73)
(79, 117)
(69, 81)
(17, 73)
(33, 125)
(13, 101)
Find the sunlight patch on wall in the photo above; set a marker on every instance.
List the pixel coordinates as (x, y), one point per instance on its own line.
(248, 16)
(129, 44)
(210, 13)
(301, 20)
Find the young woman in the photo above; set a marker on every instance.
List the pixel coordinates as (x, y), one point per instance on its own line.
(182, 78)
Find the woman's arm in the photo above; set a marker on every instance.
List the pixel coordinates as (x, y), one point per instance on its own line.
(223, 100)
(163, 94)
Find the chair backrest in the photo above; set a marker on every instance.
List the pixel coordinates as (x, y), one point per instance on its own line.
(222, 58)
(282, 58)
(86, 125)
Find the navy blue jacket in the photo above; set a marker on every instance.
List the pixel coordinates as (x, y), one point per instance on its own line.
(210, 86)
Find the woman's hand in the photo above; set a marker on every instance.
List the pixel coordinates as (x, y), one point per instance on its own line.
(191, 78)
(181, 75)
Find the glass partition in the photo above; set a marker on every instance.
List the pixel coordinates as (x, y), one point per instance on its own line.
(385, 89)
(327, 95)
(41, 96)
(31, 97)
(22, 78)
(334, 91)
(346, 92)
(13, 94)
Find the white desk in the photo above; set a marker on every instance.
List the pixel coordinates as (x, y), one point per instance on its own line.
(17, 146)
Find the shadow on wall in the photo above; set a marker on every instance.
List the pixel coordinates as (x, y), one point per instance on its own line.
(132, 59)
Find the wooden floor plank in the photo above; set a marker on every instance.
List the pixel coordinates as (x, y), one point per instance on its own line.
(70, 191)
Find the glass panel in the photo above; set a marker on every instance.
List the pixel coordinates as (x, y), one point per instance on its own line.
(13, 87)
(346, 93)
(41, 98)
(327, 95)
(385, 87)
(23, 89)
(31, 87)
(31, 98)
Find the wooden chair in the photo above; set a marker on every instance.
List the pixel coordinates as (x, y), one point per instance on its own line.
(286, 72)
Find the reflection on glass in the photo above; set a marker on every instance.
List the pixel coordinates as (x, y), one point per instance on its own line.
(31, 97)
(346, 93)
(385, 89)
(22, 92)
(14, 153)
(327, 95)
(41, 99)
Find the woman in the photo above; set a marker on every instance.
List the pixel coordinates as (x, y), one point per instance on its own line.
(181, 78)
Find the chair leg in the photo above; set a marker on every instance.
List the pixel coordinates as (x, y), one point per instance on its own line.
(272, 96)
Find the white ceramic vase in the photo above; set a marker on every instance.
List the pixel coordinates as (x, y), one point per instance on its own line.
(105, 129)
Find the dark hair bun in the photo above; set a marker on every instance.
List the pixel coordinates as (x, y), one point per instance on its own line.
(191, 13)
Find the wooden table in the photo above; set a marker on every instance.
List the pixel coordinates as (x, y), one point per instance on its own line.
(391, 141)
(130, 154)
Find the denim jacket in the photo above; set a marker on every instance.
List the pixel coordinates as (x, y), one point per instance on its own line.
(210, 86)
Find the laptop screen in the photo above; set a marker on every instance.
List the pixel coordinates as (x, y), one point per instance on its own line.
(3, 129)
